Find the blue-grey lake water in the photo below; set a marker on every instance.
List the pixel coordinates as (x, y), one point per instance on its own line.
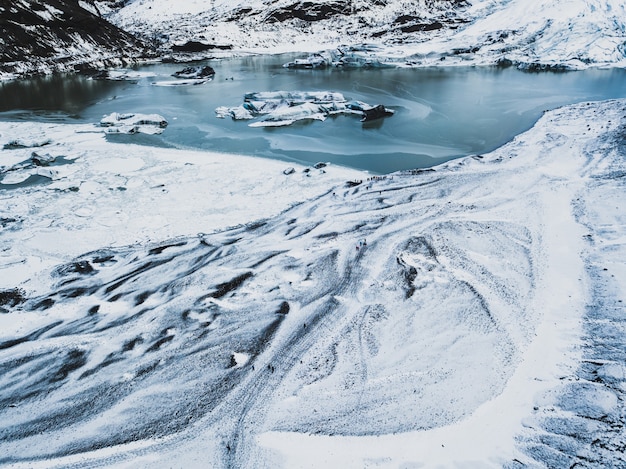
(440, 113)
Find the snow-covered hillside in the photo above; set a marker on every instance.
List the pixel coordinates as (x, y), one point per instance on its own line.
(545, 33)
(208, 311)
(42, 36)
(59, 35)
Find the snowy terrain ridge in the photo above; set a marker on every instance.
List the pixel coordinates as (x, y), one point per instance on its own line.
(545, 33)
(469, 314)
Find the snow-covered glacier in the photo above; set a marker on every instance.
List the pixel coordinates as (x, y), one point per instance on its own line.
(569, 34)
(167, 305)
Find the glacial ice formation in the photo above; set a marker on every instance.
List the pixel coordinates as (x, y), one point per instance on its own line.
(281, 108)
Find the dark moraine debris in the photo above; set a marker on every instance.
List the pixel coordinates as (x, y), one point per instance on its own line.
(411, 24)
(412, 28)
(103, 259)
(130, 345)
(241, 13)
(11, 298)
(44, 304)
(233, 362)
(197, 46)
(377, 112)
(6, 221)
(142, 297)
(310, 11)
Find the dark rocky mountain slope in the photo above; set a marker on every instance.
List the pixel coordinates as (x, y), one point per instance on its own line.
(42, 36)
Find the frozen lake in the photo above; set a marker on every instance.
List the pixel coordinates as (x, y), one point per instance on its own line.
(440, 114)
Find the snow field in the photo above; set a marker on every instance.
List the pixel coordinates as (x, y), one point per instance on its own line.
(276, 338)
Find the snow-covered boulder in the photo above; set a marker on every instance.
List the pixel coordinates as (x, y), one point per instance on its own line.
(195, 72)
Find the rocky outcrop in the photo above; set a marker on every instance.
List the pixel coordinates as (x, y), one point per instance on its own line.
(310, 11)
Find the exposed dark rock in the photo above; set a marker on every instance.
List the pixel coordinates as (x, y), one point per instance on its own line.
(241, 13)
(12, 297)
(421, 27)
(310, 11)
(224, 288)
(195, 72)
(197, 46)
(539, 67)
(284, 308)
(90, 71)
(412, 24)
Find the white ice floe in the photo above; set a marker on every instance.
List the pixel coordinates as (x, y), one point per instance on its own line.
(129, 123)
(208, 310)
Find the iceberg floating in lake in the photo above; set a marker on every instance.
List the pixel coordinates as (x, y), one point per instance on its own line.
(195, 72)
(281, 108)
(312, 61)
(133, 123)
(356, 56)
